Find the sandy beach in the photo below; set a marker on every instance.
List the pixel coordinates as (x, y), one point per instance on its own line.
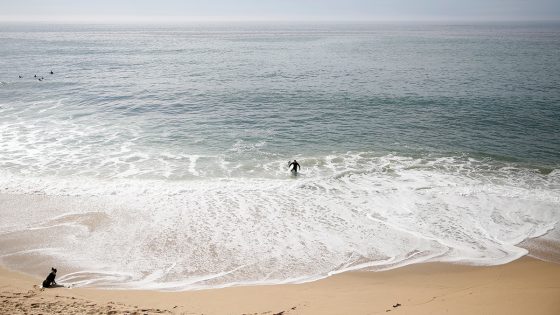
(525, 286)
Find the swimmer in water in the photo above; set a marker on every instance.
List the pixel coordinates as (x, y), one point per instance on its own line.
(296, 166)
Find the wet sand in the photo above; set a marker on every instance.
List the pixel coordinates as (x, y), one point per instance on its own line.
(525, 286)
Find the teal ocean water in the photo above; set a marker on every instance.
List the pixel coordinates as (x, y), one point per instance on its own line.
(156, 156)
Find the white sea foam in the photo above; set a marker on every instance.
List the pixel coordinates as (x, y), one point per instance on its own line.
(344, 212)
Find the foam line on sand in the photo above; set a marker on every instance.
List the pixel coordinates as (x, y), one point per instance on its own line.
(525, 286)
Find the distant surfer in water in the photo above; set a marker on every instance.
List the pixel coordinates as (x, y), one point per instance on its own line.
(296, 165)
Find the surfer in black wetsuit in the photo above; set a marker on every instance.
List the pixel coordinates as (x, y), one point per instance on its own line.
(296, 165)
(49, 282)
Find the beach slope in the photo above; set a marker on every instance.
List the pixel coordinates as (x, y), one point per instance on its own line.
(525, 286)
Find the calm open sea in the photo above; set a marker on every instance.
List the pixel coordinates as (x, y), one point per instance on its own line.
(156, 156)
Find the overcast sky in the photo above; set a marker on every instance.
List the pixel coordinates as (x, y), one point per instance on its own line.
(280, 9)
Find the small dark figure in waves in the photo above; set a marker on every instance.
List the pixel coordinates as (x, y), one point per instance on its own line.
(296, 165)
(52, 72)
(49, 282)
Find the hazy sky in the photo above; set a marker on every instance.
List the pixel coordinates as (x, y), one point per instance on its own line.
(281, 9)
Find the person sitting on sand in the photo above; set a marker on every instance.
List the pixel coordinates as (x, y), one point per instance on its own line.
(296, 165)
(49, 282)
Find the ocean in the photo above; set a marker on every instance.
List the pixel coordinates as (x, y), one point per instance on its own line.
(156, 156)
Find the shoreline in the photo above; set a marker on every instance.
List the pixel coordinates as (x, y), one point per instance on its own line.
(524, 286)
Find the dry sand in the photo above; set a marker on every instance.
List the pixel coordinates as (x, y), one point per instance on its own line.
(526, 286)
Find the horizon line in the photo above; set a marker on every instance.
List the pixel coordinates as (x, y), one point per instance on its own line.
(126, 19)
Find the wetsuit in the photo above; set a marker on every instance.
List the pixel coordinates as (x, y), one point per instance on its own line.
(296, 165)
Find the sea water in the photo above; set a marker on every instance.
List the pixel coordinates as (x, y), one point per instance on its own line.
(157, 156)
